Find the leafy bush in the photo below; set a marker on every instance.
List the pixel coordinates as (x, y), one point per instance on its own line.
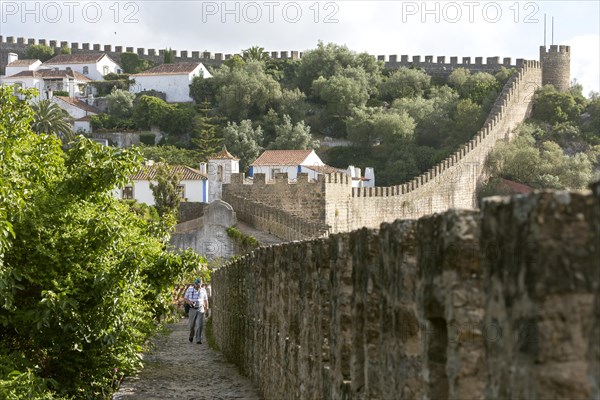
(147, 138)
(85, 281)
(60, 93)
(40, 52)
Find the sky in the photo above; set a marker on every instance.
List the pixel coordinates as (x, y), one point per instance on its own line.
(440, 28)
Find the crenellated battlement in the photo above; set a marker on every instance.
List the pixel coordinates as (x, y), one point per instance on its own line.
(438, 65)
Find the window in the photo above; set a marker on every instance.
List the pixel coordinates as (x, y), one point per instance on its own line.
(275, 171)
(105, 70)
(86, 70)
(68, 68)
(128, 192)
(181, 191)
(119, 71)
(219, 173)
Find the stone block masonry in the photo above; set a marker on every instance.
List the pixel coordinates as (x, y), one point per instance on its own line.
(497, 304)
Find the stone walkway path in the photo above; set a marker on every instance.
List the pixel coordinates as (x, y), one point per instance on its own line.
(264, 238)
(178, 369)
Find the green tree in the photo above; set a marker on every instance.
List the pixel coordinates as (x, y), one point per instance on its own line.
(120, 103)
(342, 92)
(204, 134)
(245, 92)
(40, 52)
(171, 155)
(151, 111)
(293, 137)
(166, 191)
(468, 120)
(405, 83)
(65, 50)
(255, 53)
(169, 56)
(553, 106)
(243, 141)
(203, 89)
(328, 60)
(369, 126)
(132, 63)
(51, 119)
(85, 280)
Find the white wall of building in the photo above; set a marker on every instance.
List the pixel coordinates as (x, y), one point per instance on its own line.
(219, 172)
(142, 193)
(176, 87)
(73, 111)
(15, 70)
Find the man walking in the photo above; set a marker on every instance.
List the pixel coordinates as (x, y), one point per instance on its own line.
(198, 302)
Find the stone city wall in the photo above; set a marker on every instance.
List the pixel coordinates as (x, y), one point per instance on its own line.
(437, 66)
(452, 183)
(496, 304)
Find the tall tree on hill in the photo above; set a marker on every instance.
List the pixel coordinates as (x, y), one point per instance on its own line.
(166, 191)
(204, 134)
(169, 57)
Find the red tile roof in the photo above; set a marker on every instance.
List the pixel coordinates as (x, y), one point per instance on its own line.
(51, 73)
(79, 58)
(326, 169)
(148, 173)
(79, 104)
(515, 186)
(223, 155)
(181, 68)
(282, 157)
(22, 63)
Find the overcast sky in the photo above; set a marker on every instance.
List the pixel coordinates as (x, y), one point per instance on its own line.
(450, 28)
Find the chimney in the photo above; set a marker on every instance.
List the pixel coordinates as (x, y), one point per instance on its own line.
(203, 168)
(370, 174)
(12, 57)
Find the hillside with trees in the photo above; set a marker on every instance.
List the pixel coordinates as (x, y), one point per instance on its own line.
(401, 122)
(557, 148)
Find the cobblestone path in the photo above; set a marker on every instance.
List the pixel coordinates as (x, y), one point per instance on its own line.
(178, 369)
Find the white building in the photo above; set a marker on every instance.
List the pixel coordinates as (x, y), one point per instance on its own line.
(272, 162)
(92, 65)
(15, 65)
(293, 162)
(220, 168)
(47, 81)
(172, 79)
(79, 110)
(193, 186)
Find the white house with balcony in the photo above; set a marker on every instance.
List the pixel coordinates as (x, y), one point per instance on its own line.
(92, 65)
(172, 79)
(47, 81)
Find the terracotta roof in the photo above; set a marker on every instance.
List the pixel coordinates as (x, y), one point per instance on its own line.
(171, 69)
(223, 155)
(282, 157)
(515, 186)
(148, 173)
(79, 58)
(22, 63)
(86, 118)
(325, 169)
(79, 104)
(50, 73)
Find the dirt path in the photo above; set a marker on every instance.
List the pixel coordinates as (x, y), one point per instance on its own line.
(208, 375)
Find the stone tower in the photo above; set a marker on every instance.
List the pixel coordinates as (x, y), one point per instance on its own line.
(220, 168)
(556, 66)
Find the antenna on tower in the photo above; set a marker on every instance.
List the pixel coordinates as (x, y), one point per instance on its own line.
(544, 30)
